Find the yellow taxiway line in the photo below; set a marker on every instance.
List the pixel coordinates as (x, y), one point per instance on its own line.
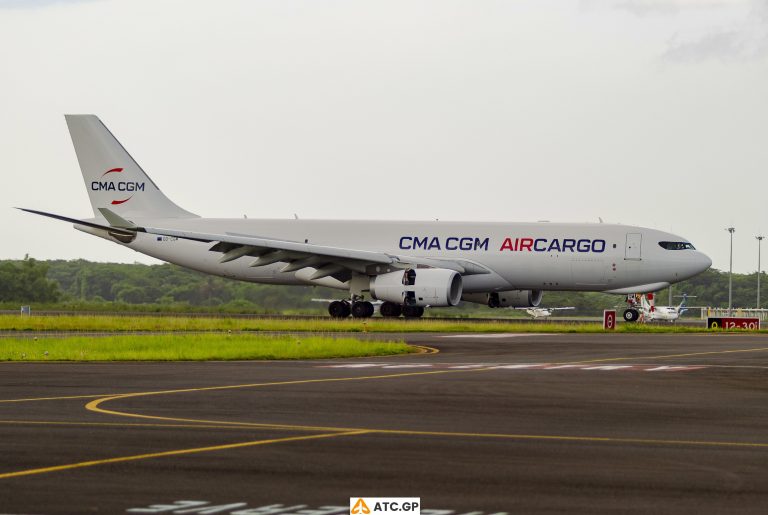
(136, 457)
(335, 432)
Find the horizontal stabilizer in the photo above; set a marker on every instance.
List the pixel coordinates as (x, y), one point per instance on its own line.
(76, 221)
(116, 220)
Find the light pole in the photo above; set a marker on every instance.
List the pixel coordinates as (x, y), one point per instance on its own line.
(730, 274)
(759, 241)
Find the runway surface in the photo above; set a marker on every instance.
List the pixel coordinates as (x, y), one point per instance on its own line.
(567, 423)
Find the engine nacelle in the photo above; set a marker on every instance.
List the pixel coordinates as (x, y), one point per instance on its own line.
(418, 287)
(507, 299)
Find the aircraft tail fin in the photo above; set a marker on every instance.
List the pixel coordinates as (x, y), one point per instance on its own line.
(682, 308)
(112, 178)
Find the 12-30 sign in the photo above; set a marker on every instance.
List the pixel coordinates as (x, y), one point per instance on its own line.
(729, 323)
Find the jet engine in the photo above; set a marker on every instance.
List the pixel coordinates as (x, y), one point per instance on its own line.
(418, 287)
(507, 299)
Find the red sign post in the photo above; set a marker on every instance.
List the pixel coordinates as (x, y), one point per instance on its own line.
(609, 319)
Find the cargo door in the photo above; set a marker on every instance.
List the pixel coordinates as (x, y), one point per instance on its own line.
(632, 250)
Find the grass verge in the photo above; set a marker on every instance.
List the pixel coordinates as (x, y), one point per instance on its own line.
(106, 323)
(192, 347)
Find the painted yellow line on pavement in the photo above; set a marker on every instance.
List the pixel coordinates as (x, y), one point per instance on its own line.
(32, 399)
(277, 383)
(598, 360)
(197, 425)
(509, 436)
(255, 425)
(179, 452)
(95, 405)
(570, 438)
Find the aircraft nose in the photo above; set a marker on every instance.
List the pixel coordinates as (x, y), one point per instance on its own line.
(703, 262)
(694, 263)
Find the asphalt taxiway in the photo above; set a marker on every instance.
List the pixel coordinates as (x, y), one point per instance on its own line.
(554, 423)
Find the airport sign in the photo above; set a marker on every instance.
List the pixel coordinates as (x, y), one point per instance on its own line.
(730, 323)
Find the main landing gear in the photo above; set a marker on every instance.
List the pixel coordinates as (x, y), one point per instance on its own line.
(343, 308)
(392, 310)
(339, 309)
(413, 311)
(364, 309)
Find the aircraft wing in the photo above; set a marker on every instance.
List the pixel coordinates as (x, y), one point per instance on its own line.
(327, 261)
(302, 255)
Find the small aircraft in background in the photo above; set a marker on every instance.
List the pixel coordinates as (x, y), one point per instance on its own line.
(544, 312)
(644, 306)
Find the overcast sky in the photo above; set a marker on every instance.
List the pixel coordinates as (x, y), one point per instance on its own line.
(651, 113)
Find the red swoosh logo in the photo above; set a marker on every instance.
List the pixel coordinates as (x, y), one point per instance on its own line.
(113, 170)
(116, 202)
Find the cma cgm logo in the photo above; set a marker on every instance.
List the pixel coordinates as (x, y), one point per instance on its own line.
(508, 245)
(112, 185)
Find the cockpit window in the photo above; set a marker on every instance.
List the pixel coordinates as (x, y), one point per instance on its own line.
(676, 245)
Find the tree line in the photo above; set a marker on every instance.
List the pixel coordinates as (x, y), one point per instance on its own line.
(82, 284)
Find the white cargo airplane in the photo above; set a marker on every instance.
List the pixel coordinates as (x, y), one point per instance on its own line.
(407, 265)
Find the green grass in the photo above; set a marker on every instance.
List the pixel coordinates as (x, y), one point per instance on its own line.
(107, 323)
(192, 347)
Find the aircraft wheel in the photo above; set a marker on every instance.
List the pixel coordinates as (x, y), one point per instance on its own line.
(390, 310)
(363, 309)
(631, 315)
(339, 309)
(413, 311)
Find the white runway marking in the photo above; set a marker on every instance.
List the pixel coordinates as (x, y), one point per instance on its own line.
(524, 366)
(493, 335)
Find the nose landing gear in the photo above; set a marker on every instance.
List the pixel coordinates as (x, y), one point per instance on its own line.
(631, 315)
